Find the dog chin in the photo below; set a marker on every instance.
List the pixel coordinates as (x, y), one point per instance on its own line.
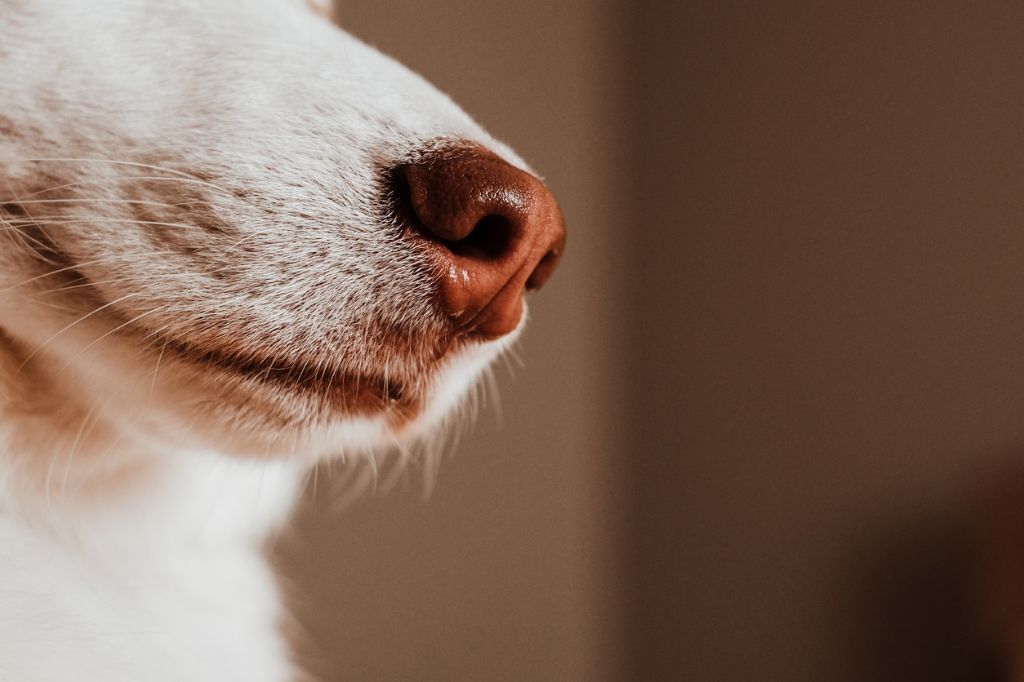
(244, 418)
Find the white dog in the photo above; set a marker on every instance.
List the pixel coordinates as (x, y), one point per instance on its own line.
(234, 241)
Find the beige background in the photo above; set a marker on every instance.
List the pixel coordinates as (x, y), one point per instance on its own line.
(782, 359)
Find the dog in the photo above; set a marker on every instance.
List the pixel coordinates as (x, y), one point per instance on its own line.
(234, 242)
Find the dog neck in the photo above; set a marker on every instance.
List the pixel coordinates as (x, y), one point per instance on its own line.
(68, 469)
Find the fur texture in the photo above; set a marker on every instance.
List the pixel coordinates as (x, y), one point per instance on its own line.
(203, 292)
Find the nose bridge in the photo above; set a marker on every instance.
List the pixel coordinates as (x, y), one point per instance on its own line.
(405, 103)
(493, 230)
(394, 109)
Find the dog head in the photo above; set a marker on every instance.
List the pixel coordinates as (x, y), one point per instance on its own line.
(231, 225)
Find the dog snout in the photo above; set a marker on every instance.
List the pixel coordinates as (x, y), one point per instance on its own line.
(492, 229)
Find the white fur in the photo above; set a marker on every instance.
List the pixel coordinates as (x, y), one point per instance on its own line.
(206, 172)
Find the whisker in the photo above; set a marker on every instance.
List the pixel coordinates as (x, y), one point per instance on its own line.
(87, 200)
(59, 271)
(36, 295)
(73, 324)
(109, 333)
(77, 220)
(29, 242)
(156, 371)
(88, 424)
(132, 164)
(491, 384)
(116, 178)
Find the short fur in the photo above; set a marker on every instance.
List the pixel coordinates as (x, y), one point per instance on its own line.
(203, 292)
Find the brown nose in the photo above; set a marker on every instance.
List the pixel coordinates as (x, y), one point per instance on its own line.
(492, 229)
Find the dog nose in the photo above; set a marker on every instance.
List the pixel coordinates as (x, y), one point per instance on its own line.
(493, 231)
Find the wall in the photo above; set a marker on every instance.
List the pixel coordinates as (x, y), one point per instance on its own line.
(764, 398)
(829, 273)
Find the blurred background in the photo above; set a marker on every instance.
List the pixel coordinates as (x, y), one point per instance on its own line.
(767, 401)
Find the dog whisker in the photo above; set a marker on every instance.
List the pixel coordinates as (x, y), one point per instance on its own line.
(134, 164)
(73, 324)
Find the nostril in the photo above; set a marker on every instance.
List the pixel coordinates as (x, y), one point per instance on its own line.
(490, 240)
(544, 270)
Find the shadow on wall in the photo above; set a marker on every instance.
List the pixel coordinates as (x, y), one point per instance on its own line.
(940, 597)
(917, 613)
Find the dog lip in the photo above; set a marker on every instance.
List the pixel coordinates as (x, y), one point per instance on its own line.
(346, 391)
